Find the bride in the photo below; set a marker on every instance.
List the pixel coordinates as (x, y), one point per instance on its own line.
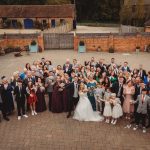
(84, 110)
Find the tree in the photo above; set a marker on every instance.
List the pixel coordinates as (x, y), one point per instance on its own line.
(126, 12)
(139, 15)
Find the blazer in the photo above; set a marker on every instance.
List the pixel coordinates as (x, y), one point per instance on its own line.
(20, 95)
(143, 107)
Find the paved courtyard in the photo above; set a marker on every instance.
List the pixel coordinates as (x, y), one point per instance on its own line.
(48, 131)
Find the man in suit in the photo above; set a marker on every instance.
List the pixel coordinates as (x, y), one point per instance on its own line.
(20, 93)
(143, 101)
(74, 94)
(117, 88)
(142, 72)
(3, 106)
(126, 67)
(29, 78)
(67, 67)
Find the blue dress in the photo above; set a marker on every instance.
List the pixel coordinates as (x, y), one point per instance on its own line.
(91, 94)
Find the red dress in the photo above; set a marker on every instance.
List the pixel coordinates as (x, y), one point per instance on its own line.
(32, 99)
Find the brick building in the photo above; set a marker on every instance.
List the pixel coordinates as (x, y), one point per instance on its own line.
(36, 16)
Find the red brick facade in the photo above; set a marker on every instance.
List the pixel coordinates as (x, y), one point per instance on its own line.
(124, 43)
(21, 42)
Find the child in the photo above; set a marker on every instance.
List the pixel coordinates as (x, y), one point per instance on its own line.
(98, 94)
(117, 110)
(31, 90)
(107, 109)
(20, 97)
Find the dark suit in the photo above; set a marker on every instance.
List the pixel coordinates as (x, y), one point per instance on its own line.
(126, 69)
(3, 107)
(20, 99)
(73, 100)
(142, 74)
(69, 69)
(26, 80)
(118, 89)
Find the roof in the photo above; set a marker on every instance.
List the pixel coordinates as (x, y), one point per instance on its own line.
(37, 11)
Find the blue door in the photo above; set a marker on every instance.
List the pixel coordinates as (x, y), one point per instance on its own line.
(14, 23)
(53, 24)
(28, 23)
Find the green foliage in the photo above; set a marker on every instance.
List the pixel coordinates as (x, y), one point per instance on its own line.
(133, 14)
(126, 13)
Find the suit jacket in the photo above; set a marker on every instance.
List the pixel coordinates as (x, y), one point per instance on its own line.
(20, 95)
(142, 74)
(26, 80)
(115, 89)
(128, 69)
(137, 91)
(72, 89)
(69, 69)
(143, 106)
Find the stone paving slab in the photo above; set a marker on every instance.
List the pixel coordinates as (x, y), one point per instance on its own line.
(48, 131)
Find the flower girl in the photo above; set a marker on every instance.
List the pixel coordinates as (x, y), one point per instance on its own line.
(117, 110)
(107, 109)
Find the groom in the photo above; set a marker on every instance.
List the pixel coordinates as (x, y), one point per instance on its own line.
(74, 95)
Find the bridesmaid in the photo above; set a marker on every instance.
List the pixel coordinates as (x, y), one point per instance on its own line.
(128, 92)
(40, 94)
(57, 101)
(66, 92)
(91, 85)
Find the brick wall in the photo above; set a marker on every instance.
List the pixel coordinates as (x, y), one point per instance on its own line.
(147, 29)
(21, 42)
(121, 43)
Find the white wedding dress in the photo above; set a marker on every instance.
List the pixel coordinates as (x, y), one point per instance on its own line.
(84, 110)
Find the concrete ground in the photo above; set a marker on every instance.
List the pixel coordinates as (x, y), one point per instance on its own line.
(48, 131)
(9, 63)
(88, 29)
(80, 29)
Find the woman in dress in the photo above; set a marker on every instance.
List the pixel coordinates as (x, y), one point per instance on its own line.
(128, 92)
(84, 111)
(91, 85)
(66, 93)
(57, 96)
(40, 93)
(32, 99)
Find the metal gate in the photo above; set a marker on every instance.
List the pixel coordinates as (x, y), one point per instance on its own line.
(58, 41)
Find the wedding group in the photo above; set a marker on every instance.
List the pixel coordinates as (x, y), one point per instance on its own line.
(93, 91)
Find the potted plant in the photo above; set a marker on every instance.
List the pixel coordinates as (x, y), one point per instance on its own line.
(33, 46)
(137, 49)
(81, 47)
(148, 48)
(99, 49)
(111, 50)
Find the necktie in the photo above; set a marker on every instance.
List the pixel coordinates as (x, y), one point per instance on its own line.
(142, 99)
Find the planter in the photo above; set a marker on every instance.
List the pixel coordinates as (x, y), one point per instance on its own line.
(111, 50)
(33, 48)
(81, 49)
(137, 50)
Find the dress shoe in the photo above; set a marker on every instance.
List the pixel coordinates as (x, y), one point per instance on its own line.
(68, 116)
